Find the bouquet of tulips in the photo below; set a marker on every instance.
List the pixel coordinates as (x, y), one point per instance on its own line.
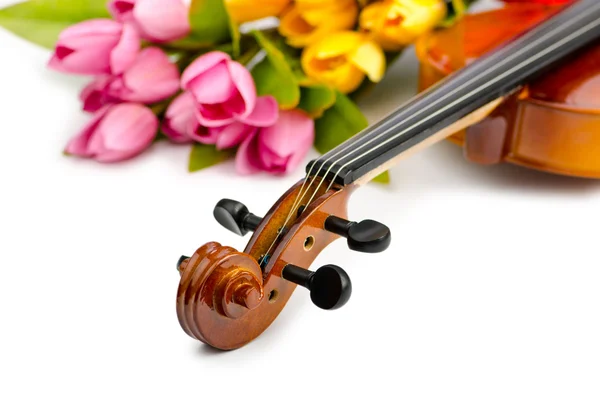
(258, 80)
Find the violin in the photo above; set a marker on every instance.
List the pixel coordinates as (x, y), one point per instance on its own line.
(227, 298)
(551, 124)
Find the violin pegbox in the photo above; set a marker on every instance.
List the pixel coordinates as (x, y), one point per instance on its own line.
(226, 298)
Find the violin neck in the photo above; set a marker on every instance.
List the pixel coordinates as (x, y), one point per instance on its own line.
(462, 98)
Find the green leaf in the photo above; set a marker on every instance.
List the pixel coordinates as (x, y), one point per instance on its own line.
(339, 123)
(236, 38)
(41, 21)
(382, 178)
(210, 22)
(316, 99)
(274, 76)
(204, 156)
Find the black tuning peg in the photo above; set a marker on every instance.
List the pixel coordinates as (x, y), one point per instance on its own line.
(330, 286)
(366, 236)
(234, 216)
(180, 261)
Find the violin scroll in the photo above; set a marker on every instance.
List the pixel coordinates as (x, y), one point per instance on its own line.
(227, 298)
(218, 280)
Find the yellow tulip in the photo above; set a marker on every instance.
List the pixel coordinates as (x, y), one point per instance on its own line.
(397, 23)
(310, 20)
(342, 60)
(242, 11)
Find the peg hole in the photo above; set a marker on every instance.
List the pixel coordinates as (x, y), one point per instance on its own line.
(273, 295)
(309, 243)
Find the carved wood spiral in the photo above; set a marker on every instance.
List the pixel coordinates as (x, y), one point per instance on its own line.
(217, 279)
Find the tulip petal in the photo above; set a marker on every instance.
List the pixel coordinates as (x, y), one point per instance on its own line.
(78, 145)
(125, 53)
(369, 58)
(151, 78)
(283, 146)
(96, 143)
(162, 20)
(180, 119)
(121, 10)
(213, 115)
(84, 55)
(265, 112)
(291, 23)
(245, 11)
(92, 27)
(247, 157)
(245, 85)
(95, 44)
(341, 43)
(320, 12)
(201, 65)
(128, 127)
(207, 136)
(294, 132)
(213, 86)
(95, 96)
(231, 135)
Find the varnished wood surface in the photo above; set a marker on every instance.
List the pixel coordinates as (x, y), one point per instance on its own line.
(552, 125)
(225, 300)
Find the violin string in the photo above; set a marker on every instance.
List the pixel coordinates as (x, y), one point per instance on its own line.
(302, 193)
(281, 229)
(477, 90)
(298, 201)
(420, 96)
(516, 68)
(357, 146)
(295, 205)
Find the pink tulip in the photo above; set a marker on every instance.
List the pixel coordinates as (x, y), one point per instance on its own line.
(182, 126)
(116, 133)
(225, 137)
(225, 93)
(157, 20)
(277, 149)
(97, 46)
(180, 123)
(151, 78)
(96, 94)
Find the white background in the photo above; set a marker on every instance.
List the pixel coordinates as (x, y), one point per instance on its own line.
(491, 286)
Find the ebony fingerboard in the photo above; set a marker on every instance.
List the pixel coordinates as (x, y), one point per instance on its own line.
(489, 78)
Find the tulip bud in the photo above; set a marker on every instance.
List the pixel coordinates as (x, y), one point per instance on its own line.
(242, 11)
(180, 122)
(97, 46)
(343, 59)
(224, 92)
(277, 149)
(397, 23)
(157, 20)
(151, 78)
(116, 133)
(308, 21)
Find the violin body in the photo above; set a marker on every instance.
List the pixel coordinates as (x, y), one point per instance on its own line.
(552, 124)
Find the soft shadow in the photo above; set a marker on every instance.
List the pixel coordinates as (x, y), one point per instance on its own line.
(278, 330)
(507, 176)
(205, 350)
